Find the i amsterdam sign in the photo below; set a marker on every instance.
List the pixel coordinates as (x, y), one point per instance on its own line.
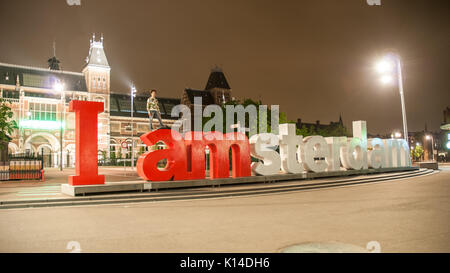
(186, 155)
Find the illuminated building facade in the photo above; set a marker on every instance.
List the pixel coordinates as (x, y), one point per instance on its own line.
(39, 98)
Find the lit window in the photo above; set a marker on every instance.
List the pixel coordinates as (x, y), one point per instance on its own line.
(42, 111)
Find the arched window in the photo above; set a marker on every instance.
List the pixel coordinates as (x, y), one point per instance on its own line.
(99, 99)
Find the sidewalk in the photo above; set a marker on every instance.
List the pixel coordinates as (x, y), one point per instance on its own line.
(51, 188)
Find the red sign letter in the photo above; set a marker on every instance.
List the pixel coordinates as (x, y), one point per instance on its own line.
(86, 146)
(186, 158)
(241, 159)
(175, 154)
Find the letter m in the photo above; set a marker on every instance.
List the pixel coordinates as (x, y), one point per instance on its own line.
(220, 147)
(400, 153)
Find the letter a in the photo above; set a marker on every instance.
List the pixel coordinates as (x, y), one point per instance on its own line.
(175, 154)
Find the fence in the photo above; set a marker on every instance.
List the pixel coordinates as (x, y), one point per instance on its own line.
(26, 166)
(4, 170)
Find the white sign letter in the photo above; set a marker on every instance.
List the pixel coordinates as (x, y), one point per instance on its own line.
(263, 146)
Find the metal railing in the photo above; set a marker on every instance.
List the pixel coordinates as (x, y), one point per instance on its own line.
(25, 166)
(11, 100)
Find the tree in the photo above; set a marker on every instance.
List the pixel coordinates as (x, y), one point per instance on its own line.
(417, 152)
(7, 125)
(335, 130)
(103, 154)
(112, 153)
(141, 150)
(245, 103)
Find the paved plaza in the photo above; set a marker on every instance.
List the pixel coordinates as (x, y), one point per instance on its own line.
(51, 188)
(408, 215)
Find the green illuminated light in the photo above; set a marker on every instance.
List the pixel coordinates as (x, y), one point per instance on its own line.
(41, 124)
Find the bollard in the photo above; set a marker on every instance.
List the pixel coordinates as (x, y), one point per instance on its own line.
(43, 177)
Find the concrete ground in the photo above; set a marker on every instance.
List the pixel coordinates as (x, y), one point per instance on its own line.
(51, 187)
(410, 215)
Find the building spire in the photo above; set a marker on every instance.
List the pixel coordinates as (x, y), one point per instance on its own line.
(217, 79)
(53, 62)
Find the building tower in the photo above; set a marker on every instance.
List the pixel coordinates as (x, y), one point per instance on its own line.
(97, 75)
(97, 69)
(218, 86)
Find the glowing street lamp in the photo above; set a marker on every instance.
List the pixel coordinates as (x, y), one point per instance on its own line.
(389, 65)
(58, 86)
(384, 66)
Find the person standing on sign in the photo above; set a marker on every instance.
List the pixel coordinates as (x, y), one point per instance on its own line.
(153, 109)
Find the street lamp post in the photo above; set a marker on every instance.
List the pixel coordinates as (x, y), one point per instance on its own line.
(133, 94)
(402, 98)
(61, 134)
(386, 66)
(60, 88)
(428, 137)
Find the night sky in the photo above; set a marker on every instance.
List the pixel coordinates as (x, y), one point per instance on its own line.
(312, 57)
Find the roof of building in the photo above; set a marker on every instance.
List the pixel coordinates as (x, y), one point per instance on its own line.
(217, 80)
(97, 56)
(40, 77)
(120, 105)
(206, 96)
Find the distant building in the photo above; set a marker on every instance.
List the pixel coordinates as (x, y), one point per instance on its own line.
(318, 125)
(217, 91)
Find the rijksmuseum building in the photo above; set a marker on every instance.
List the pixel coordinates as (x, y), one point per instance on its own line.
(39, 98)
